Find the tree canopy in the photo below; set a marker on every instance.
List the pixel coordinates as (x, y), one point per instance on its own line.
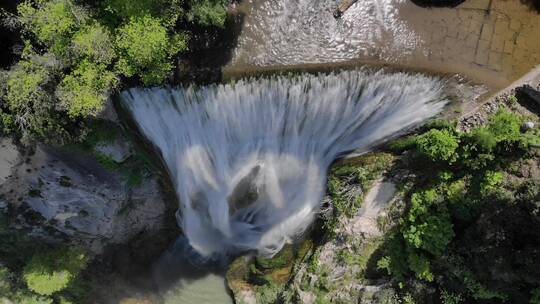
(77, 53)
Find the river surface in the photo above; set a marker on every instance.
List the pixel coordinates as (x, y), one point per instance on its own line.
(492, 42)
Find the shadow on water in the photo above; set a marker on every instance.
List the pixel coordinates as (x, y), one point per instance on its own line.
(210, 49)
(181, 265)
(177, 276)
(182, 276)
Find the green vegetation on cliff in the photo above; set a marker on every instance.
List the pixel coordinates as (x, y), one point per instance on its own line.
(471, 215)
(463, 227)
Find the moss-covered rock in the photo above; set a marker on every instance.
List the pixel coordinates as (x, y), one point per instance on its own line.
(260, 280)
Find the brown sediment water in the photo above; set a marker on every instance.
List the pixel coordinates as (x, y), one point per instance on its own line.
(493, 42)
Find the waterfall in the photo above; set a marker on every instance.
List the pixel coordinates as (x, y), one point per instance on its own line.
(249, 159)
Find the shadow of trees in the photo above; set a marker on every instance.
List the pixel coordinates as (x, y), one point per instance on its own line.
(532, 4)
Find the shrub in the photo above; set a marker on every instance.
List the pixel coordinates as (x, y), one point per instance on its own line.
(490, 182)
(421, 201)
(429, 225)
(450, 298)
(5, 281)
(420, 265)
(53, 271)
(432, 233)
(123, 10)
(478, 290)
(396, 261)
(483, 139)
(438, 145)
(146, 49)
(23, 297)
(505, 125)
(402, 144)
(535, 296)
(209, 12)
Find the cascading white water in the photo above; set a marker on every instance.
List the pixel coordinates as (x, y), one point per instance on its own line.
(249, 159)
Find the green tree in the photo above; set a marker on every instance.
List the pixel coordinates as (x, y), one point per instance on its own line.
(429, 225)
(432, 233)
(53, 271)
(146, 49)
(86, 89)
(27, 97)
(95, 43)
(438, 145)
(52, 22)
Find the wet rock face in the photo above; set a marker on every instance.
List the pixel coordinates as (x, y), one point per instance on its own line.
(9, 157)
(70, 197)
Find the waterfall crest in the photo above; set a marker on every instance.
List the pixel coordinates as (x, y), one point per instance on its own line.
(249, 160)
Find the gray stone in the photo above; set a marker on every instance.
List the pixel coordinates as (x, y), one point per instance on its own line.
(119, 150)
(9, 157)
(528, 125)
(108, 112)
(75, 197)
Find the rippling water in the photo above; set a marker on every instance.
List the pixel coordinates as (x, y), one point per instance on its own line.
(305, 31)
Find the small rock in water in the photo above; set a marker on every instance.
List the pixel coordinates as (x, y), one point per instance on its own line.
(528, 125)
(119, 150)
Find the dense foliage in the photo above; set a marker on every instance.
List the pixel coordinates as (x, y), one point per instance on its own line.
(34, 273)
(470, 221)
(77, 53)
(53, 271)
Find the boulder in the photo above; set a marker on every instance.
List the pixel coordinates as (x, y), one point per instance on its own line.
(119, 150)
(9, 157)
(61, 196)
(528, 125)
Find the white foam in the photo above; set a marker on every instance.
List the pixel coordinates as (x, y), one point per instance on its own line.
(264, 146)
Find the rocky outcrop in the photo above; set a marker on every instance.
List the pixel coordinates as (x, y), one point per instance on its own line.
(69, 197)
(340, 266)
(336, 267)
